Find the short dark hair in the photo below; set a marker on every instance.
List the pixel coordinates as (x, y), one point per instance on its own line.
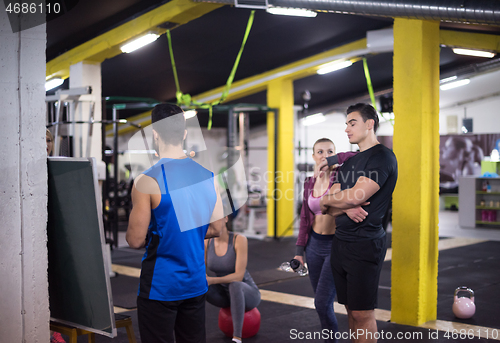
(366, 111)
(171, 131)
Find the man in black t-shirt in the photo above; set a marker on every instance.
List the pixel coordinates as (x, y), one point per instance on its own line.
(359, 245)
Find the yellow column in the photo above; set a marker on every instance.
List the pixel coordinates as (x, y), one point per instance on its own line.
(416, 145)
(280, 96)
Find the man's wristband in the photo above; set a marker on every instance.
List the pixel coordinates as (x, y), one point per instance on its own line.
(332, 160)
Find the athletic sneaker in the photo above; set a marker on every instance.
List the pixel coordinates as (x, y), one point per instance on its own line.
(57, 338)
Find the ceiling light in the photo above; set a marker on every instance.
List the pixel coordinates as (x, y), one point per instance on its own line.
(455, 84)
(313, 119)
(139, 42)
(448, 79)
(477, 53)
(333, 66)
(190, 114)
(53, 83)
(292, 11)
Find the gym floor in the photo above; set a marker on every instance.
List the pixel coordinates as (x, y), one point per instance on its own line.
(469, 257)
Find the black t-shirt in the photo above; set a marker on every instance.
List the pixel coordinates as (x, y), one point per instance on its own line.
(379, 164)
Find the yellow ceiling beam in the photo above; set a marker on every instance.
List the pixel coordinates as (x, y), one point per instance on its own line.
(309, 66)
(468, 40)
(257, 83)
(293, 71)
(108, 44)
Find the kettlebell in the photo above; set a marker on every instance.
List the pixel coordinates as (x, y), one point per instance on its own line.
(464, 307)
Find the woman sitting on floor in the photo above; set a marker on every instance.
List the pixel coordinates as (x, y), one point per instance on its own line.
(233, 286)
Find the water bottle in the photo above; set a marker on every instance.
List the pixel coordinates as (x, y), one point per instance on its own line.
(298, 267)
(294, 266)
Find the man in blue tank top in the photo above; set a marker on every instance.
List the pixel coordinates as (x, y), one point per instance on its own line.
(175, 207)
(359, 244)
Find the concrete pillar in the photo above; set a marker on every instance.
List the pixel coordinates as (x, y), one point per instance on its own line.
(416, 145)
(85, 74)
(280, 96)
(24, 316)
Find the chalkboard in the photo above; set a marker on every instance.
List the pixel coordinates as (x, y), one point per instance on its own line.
(79, 285)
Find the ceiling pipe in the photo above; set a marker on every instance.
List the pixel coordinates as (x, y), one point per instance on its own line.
(463, 11)
(478, 68)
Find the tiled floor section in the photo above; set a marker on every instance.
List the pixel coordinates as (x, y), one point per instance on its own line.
(283, 309)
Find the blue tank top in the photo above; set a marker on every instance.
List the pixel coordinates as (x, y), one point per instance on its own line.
(173, 266)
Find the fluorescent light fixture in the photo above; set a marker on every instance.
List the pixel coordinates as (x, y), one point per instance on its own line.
(292, 11)
(333, 66)
(134, 152)
(448, 79)
(477, 53)
(190, 114)
(139, 42)
(53, 83)
(455, 84)
(313, 119)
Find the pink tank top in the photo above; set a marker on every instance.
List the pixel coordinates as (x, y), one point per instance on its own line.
(313, 202)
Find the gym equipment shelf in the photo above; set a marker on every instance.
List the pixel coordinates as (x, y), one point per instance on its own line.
(473, 201)
(487, 223)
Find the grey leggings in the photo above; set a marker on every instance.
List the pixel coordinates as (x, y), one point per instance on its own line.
(239, 296)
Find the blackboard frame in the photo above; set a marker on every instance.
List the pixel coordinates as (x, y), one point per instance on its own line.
(79, 283)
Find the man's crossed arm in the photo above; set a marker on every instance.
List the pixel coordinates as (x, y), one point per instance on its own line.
(349, 201)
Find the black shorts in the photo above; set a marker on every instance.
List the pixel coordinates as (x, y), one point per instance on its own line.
(356, 268)
(158, 320)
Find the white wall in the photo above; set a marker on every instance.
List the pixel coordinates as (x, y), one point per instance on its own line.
(386, 127)
(24, 315)
(480, 100)
(485, 115)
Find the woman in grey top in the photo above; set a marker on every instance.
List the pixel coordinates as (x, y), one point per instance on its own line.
(233, 286)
